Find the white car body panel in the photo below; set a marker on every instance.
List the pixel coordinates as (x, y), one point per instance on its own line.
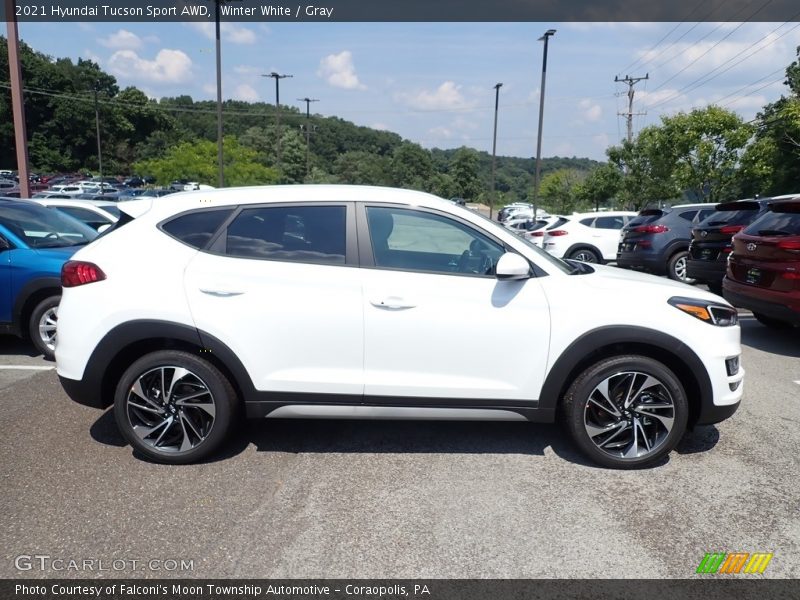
(604, 240)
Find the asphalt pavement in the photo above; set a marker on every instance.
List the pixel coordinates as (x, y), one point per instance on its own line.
(367, 499)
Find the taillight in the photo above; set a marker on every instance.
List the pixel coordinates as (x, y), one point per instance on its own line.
(651, 229)
(77, 272)
(731, 229)
(727, 250)
(538, 234)
(789, 245)
(557, 232)
(791, 275)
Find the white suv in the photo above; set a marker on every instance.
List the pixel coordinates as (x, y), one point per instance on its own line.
(589, 237)
(363, 302)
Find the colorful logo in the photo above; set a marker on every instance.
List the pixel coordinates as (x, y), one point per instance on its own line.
(734, 562)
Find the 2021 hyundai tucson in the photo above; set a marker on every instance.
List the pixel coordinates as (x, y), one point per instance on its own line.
(364, 302)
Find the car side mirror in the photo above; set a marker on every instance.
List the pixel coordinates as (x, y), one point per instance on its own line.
(512, 266)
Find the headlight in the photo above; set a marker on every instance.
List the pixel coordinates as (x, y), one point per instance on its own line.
(711, 313)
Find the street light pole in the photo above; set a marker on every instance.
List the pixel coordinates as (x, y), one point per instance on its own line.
(97, 127)
(494, 145)
(277, 77)
(545, 39)
(17, 100)
(308, 102)
(219, 97)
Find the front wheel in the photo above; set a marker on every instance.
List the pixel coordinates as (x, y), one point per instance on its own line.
(174, 407)
(676, 267)
(42, 326)
(626, 412)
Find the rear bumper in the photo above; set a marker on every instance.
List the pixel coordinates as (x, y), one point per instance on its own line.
(706, 270)
(770, 304)
(638, 260)
(83, 393)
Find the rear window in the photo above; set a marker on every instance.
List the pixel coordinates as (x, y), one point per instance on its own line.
(195, 229)
(559, 222)
(775, 224)
(733, 213)
(645, 217)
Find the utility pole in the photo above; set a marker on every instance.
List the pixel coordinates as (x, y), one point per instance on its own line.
(277, 77)
(220, 163)
(630, 81)
(544, 38)
(308, 127)
(97, 127)
(494, 145)
(17, 102)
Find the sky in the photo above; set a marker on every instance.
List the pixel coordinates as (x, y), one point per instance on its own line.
(433, 83)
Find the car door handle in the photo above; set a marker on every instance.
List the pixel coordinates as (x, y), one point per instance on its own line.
(392, 303)
(221, 293)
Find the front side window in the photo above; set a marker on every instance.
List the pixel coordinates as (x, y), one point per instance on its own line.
(311, 234)
(416, 240)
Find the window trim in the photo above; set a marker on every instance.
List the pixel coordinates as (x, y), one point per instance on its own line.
(365, 253)
(215, 243)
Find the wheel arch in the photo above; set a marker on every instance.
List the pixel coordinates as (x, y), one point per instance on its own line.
(31, 294)
(607, 342)
(129, 341)
(585, 246)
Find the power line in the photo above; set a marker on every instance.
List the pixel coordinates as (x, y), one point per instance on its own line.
(751, 84)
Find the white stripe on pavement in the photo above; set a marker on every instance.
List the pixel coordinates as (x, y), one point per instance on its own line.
(26, 368)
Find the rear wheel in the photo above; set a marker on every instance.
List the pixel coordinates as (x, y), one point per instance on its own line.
(174, 407)
(42, 326)
(626, 412)
(585, 255)
(772, 323)
(676, 267)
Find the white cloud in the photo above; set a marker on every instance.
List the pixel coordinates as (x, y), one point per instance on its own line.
(245, 92)
(446, 97)
(380, 126)
(92, 56)
(121, 40)
(338, 70)
(249, 70)
(592, 112)
(231, 32)
(440, 132)
(172, 66)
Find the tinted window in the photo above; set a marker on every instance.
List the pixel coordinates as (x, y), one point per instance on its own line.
(40, 227)
(688, 215)
(195, 229)
(587, 222)
(314, 234)
(731, 216)
(609, 222)
(775, 223)
(422, 241)
(705, 213)
(559, 222)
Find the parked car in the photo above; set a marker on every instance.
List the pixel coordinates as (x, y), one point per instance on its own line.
(712, 239)
(97, 214)
(134, 182)
(534, 233)
(34, 243)
(657, 240)
(50, 194)
(764, 267)
(214, 314)
(588, 237)
(154, 193)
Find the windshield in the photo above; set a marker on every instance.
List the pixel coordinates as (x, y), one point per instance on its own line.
(40, 227)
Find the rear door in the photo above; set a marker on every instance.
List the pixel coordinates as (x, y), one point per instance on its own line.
(281, 287)
(605, 234)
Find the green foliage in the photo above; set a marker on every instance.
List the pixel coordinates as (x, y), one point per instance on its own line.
(558, 190)
(411, 167)
(464, 174)
(600, 187)
(197, 161)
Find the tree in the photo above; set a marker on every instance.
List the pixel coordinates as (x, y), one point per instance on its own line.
(197, 161)
(558, 190)
(600, 186)
(464, 173)
(362, 168)
(293, 157)
(411, 166)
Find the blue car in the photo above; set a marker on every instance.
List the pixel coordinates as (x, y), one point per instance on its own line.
(34, 243)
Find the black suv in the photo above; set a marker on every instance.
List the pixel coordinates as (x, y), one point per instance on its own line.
(657, 239)
(711, 240)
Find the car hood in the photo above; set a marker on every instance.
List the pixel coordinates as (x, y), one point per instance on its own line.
(610, 278)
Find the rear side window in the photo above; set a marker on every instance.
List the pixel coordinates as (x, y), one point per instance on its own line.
(310, 234)
(195, 229)
(587, 222)
(609, 222)
(688, 215)
(559, 222)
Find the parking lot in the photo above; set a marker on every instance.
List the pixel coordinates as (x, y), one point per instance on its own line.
(398, 499)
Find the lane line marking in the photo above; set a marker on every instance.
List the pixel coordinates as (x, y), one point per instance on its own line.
(25, 368)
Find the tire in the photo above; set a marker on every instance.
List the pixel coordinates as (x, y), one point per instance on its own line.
(676, 267)
(586, 255)
(607, 438)
(772, 323)
(42, 326)
(174, 432)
